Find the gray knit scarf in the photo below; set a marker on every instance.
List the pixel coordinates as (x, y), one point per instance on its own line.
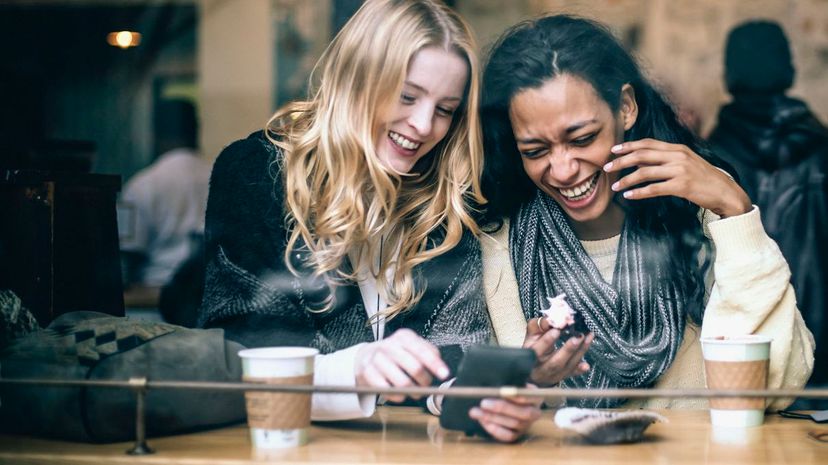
(638, 320)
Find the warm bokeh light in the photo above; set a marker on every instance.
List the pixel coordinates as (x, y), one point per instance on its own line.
(123, 39)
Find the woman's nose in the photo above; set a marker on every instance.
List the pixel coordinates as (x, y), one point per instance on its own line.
(421, 119)
(563, 168)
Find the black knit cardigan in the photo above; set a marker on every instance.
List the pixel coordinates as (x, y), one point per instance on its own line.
(250, 293)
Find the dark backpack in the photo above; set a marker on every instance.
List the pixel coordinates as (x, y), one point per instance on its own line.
(95, 346)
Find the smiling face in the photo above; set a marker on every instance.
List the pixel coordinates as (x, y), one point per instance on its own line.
(432, 92)
(564, 132)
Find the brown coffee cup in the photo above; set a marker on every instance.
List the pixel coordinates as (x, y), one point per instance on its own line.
(278, 419)
(736, 362)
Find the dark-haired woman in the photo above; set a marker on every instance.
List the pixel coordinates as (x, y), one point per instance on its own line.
(603, 195)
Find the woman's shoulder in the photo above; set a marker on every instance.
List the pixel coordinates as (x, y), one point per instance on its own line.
(250, 163)
(256, 153)
(248, 170)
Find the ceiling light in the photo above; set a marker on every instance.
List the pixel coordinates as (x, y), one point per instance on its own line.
(123, 39)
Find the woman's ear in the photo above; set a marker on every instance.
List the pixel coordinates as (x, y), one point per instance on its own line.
(629, 106)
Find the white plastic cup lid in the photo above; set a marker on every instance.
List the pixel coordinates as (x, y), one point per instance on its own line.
(278, 352)
(737, 340)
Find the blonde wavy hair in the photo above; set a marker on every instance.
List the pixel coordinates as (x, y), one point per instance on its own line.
(338, 194)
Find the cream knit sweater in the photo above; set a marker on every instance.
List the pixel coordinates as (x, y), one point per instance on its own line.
(751, 293)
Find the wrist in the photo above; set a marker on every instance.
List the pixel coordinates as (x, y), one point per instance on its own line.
(362, 355)
(739, 205)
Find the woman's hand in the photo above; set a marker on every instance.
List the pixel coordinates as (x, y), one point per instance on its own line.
(553, 366)
(404, 359)
(674, 169)
(507, 419)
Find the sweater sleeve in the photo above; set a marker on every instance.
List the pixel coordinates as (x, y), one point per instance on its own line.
(752, 294)
(244, 243)
(337, 369)
(249, 291)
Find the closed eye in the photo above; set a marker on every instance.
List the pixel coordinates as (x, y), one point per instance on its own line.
(584, 140)
(445, 111)
(407, 99)
(532, 153)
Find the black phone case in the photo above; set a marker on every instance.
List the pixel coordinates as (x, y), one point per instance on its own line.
(484, 366)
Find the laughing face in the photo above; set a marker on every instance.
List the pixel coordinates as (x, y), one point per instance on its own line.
(564, 132)
(432, 92)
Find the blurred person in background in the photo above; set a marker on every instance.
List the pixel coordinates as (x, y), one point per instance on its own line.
(163, 205)
(780, 152)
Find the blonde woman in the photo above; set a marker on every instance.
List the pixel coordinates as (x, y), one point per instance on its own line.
(346, 224)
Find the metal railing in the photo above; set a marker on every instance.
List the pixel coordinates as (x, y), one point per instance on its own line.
(141, 385)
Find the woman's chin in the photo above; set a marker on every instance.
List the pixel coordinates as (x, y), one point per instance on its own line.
(396, 164)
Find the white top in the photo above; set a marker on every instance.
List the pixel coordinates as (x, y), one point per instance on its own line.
(338, 368)
(366, 278)
(162, 206)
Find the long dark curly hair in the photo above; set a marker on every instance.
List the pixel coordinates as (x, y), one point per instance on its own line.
(535, 51)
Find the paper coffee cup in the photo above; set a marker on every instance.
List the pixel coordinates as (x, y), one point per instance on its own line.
(278, 419)
(736, 362)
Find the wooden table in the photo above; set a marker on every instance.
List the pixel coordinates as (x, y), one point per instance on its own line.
(407, 436)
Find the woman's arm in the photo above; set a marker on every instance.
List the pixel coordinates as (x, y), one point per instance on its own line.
(250, 293)
(246, 278)
(752, 294)
(752, 291)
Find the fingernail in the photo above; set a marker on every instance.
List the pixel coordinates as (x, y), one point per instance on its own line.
(608, 166)
(615, 186)
(616, 148)
(486, 403)
(443, 373)
(574, 341)
(627, 194)
(475, 413)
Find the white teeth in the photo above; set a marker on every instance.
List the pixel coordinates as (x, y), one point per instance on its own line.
(403, 142)
(581, 190)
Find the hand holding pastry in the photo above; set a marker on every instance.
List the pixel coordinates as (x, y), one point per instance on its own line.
(559, 322)
(553, 365)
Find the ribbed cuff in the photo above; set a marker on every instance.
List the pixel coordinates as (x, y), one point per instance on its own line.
(337, 369)
(736, 234)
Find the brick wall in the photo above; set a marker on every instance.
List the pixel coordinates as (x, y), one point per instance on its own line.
(680, 42)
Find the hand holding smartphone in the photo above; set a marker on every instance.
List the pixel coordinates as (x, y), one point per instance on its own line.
(486, 366)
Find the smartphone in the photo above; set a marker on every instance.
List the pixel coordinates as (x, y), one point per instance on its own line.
(487, 366)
